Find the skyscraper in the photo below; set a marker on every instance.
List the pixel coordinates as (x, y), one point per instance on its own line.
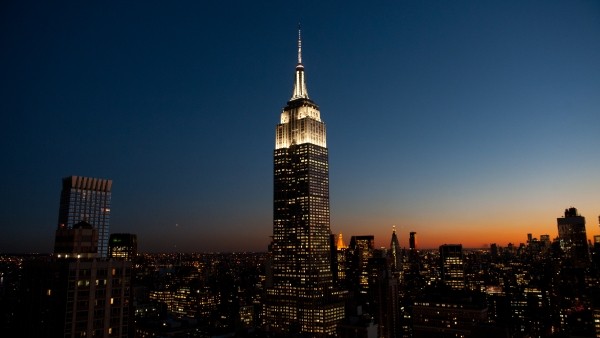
(573, 237)
(453, 273)
(300, 296)
(78, 293)
(86, 199)
(395, 251)
(412, 241)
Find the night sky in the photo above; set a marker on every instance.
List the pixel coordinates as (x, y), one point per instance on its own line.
(470, 122)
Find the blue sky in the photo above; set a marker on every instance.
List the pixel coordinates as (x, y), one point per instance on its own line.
(465, 121)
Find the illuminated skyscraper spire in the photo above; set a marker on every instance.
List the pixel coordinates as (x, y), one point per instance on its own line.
(340, 242)
(299, 45)
(301, 295)
(300, 91)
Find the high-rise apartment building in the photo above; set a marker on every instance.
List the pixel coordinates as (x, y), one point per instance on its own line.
(86, 199)
(573, 237)
(301, 296)
(98, 298)
(78, 293)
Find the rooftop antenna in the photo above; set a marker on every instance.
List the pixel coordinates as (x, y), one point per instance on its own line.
(299, 44)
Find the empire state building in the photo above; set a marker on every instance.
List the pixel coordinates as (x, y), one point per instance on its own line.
(300, 292)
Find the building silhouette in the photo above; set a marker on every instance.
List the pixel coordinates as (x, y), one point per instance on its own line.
(573, 238)
(80, 241)
(395, 254)
(86, 199)
(300, 296)
(412, 241)
(361, 250)
(75, 293)
(452, 264)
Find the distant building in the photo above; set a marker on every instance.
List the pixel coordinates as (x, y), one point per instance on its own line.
(453, 274)
(573, 238)
(454, 314)
(86, 199)
(122, 246)
(339, 263)
(361, 249)
(395, 253)
(412, 241)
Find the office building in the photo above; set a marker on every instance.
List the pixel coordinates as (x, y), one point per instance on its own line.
(454, 314)
(361, 249)
(452, 264)
(122, 246)
(395, 254)
(86, 199)
(573, 238)
(300, 295)
(412, 241)
(341, 263)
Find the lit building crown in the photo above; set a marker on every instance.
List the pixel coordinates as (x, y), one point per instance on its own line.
(300, 119)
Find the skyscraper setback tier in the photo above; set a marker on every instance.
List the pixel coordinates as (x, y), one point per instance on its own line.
(300, 292)
(86, 199)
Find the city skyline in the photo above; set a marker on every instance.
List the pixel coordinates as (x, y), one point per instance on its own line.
(467, 123)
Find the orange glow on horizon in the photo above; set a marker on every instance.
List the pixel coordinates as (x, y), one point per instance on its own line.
(498, 231)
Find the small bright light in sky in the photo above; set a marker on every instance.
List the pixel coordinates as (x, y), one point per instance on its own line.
(466, 121)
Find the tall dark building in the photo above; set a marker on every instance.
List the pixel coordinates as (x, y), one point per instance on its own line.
(395, 251)
(453, 271)
(300, 296)
(76, 293)
(412, 241)
(573, 237)
(361, 250)
(86, 199)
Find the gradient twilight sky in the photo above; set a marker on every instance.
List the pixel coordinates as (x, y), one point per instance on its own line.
(468, 122)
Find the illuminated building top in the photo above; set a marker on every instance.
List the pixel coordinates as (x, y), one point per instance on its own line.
(300, 119)
(340, 242)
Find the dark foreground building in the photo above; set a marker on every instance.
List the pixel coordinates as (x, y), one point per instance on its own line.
(78, 292)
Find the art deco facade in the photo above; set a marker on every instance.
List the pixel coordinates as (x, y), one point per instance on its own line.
(86, 199)
(300, 296)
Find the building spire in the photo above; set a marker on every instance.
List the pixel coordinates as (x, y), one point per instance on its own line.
(299, 44)
(300, 91)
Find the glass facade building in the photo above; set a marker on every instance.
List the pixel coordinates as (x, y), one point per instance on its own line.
(300, 293)
(86, 199)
